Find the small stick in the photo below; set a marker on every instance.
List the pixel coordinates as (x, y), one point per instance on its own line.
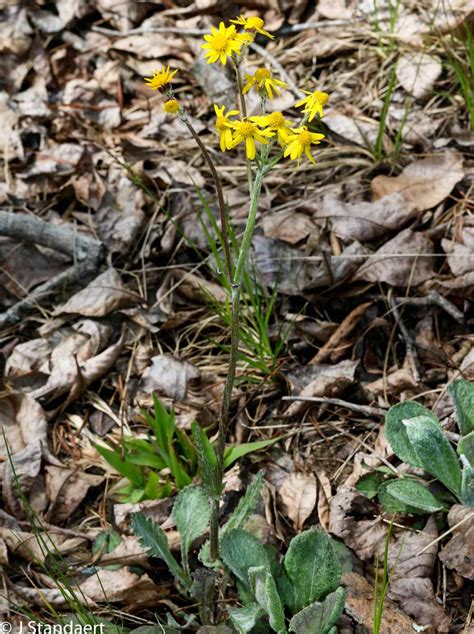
(410, 348)
(363, 409)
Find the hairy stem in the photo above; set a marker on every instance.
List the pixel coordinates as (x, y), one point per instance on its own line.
(243, 108)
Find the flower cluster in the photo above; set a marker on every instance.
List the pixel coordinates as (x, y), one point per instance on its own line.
(227, 42)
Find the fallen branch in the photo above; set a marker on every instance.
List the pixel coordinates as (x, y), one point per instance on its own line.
(86, 253)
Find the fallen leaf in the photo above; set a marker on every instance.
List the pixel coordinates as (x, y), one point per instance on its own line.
(460, 252)
(112, 586)
(35, 550)
(406, 260)
(365, 221)
(337, 9)
(288, 225)
(359, 604)
(350, 124)
(393, 383)
(57, 159)
(298, 493)
(102, 296)
(425, 182)
(418, 72)
(458, 553)
(168, 376)
(66, 488)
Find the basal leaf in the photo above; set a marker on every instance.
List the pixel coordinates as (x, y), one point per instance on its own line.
(412, 492)
(319, 618)
(240, 551)
(191, 514)
(369, 484)
(395, 430)
(265, 591)
(127, 470)
(153, 537)
(466, 448)
(434, 452)
(462, 393)
(207, 460)
(312, 566)
(467, 486)
(393, 505)
(244, 619)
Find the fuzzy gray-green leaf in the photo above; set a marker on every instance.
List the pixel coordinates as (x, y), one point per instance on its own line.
(312, 566)
(467, 486)
(462, 393)
(246, 505)
(191, 515)
(395, 430)
(412, 492)
(265, 591)
(434, 452)
(245, 619)
(152, 536)
(466, 448)
(240, 551)
(319, 618)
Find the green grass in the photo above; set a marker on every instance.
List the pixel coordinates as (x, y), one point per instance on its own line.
(460, 59)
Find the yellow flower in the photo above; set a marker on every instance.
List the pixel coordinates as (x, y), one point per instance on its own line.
(161, 79)
(253, 23)
(222, 43)
(224, 126)
(248, 132)
(277, 122)
(171, 106)
(313, 103)
(300, 142)
(263, 80)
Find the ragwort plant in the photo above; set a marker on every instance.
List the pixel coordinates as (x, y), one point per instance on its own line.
(267, 138)
(305, 586)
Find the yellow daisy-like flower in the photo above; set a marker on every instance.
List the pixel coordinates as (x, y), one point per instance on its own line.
(313, 103)
(248, 132)
(276, 122)
(171, 106)
(224, 126)
(300, 141)
(262, 79)
(222, 43)
(161, 79)
(253, 23)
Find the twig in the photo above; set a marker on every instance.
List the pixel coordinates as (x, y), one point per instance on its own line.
(410, 348)
(86, 252)
(363, 409)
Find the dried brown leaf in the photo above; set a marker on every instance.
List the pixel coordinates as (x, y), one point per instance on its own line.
(298, 493)
(168, 376)
(425, 182)
(418, 73)
(458, 553)
(66, 488)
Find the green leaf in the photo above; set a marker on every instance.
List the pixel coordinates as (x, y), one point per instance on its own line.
(369, 484)
(467, 486)
(413, 493)
(235, 452)
(240, 551)
(466, 448)
(396, 433)
(392, 505)
(123, 467)
(152, 491)
(312, 566)
(319, 618)
(246, 505)
(462, 393)
(191, 514)
(434, 452)
(245, 619)
(264, 588)
(153, 537)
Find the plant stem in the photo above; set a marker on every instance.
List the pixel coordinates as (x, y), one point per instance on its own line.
(220, 194)
(243, 107)
(234, 353)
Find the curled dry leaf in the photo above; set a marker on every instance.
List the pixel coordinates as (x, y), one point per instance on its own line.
(102, 296)
(411, 584)
(20, 479)
(365, 221)
(359, 605)
(406, 260)
(298, 493)
(418, 72)
(460, 252)
(393, 383)
(169, 376)
(112, 586)
(458, 554)
(66, 488)
(424, 183)
(288, 225)
(23, 422)
(32, 549)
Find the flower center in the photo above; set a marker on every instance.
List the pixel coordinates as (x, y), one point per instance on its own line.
(221, 123)
(276, 120)
(262, 73)
(305, 138)
(254, 23)
(322, 97)
(247, 129)
(219, 43)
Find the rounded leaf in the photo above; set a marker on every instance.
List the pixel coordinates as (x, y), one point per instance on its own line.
(395, 430)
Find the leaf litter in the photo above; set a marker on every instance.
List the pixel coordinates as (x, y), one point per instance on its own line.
(335, 246)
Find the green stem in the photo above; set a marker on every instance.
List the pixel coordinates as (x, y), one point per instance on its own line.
(243, 108)
(234, 353)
